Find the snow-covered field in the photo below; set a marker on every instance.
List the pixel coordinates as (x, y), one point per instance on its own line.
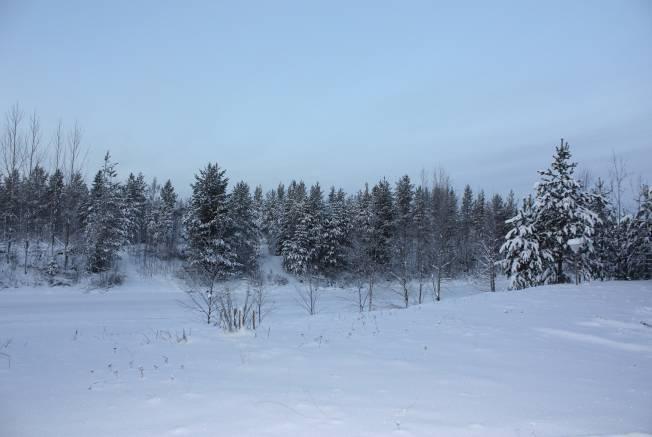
(559, 360)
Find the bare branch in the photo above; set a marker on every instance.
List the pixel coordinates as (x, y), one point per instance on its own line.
(34, 142)
(12, 142)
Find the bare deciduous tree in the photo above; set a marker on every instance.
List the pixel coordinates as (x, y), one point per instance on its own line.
(33, 152)
(488, 256)
(618, 175)
(203, 302)
(309, 294)
(58, 147)
(73, 152)
(12, 141)
(260, 299)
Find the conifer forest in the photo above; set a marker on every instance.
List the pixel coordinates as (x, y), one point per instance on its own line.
(59, 227)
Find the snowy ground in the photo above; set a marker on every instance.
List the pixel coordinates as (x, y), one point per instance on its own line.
(550, 361)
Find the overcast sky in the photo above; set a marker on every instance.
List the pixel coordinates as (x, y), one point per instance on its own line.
(340, 92)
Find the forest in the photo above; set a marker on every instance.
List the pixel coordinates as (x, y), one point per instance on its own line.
(57, 228)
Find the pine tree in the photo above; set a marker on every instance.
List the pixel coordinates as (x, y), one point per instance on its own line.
(422, 237)
(510, 206)
(524, 258)
(402, 241)
(151, 229)
(298, 250)
(135, 207)
(317, 229)
(105, 231)
(382, 224)
(35, 195)
(336, 233)
(360, 249)
(602, 260)
(206, 222)
(295, 234)
(563, 216)
(295, 199)
(638, 238)
(270, 221)
(466, 228)
(75, 201)
(490, 239)
(278, 217)
(168, 220)
(302, 231)
(55, 193)
(480, 225)
(479, 213)
(12, 211)
(243, 233)
(258, 209)
(444, 224)
(372, 248)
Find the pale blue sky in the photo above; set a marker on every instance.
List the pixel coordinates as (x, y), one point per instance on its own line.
(340, 92)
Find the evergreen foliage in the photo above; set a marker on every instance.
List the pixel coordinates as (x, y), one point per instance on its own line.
(105, 224)
(207, 225)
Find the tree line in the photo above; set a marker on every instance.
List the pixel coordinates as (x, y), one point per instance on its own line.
(416, 235)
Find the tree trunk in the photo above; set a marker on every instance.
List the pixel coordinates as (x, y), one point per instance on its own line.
(406, 295)
(420, 290)
(492, 274)
(560, 277)
(371, 290)
(26, 248)
(65, 247)
(51, 237)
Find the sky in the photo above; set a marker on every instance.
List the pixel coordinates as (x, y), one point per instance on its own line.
(339, 92)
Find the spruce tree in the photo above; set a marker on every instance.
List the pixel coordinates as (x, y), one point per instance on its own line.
(638, 238)
(135, 207)
(360, 250)
(602, 260)
(75, 201)
(298, 250)
(207, 225)
(243, 233)
(258, 208)
(466, 227)
(317, 231)
(443, 224)
(12, 211)
(524, 259)
(402, 239)
(563, 218)
(422, 237)
(336, 232)
(105, 231)
(269, 226)
(151, 229)
(490, 239)
(382, 224)
(302, 231)
(35, 201)
(168, 221)
(55, 195)
(480, 224)
(295, 230)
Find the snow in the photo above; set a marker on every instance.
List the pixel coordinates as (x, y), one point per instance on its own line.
(554, 360)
